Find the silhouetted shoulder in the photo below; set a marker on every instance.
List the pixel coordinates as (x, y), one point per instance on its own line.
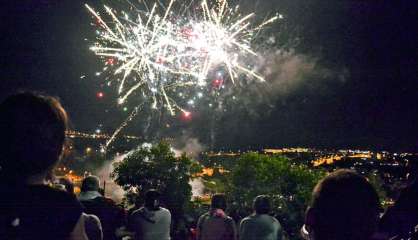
(39, 212)
(165, 210)
(245, 220)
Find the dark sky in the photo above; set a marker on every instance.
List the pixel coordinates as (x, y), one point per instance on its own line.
(372, 43)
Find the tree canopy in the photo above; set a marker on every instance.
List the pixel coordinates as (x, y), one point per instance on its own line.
(157, 167)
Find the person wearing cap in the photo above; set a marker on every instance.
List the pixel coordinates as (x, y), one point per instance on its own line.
(151, 221)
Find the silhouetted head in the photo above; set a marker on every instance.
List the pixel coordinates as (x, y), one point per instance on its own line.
(262, 204)
(218, 201)
(32, 135)
(152, 199)
(68, 184)
(138, 201)
(90, 183)
(345, 206)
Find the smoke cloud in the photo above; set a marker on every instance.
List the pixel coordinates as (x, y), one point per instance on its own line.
(192, 147)
(197, 187)
(188, 144)
(284, 70)
(112, 190)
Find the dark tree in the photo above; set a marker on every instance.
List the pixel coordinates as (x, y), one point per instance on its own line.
(157, 167)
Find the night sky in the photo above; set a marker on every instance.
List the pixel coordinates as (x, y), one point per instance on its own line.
(360, 89)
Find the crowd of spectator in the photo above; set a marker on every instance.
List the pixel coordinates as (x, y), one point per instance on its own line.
(344, 206)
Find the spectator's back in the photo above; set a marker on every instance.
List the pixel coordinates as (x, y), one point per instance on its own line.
(216, 227)
(260, 225)
(150, 225)
(151, 221)
(92, 224)
(110, 215)
(215, 224)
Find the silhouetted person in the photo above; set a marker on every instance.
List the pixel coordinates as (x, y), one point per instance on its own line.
(92, 224)
(67, 184)
(260, 225)
(215, 224)
(110, 215)
(400, 219)
(32, 135)
(345, 206)
(151, 221)
(137, 205)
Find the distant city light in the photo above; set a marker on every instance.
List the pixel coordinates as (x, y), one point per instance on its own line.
(88, 150)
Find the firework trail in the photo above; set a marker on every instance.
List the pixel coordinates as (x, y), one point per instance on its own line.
(121, 127)
(161, 54)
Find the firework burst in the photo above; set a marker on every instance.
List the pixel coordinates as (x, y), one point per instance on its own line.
(158, 53)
